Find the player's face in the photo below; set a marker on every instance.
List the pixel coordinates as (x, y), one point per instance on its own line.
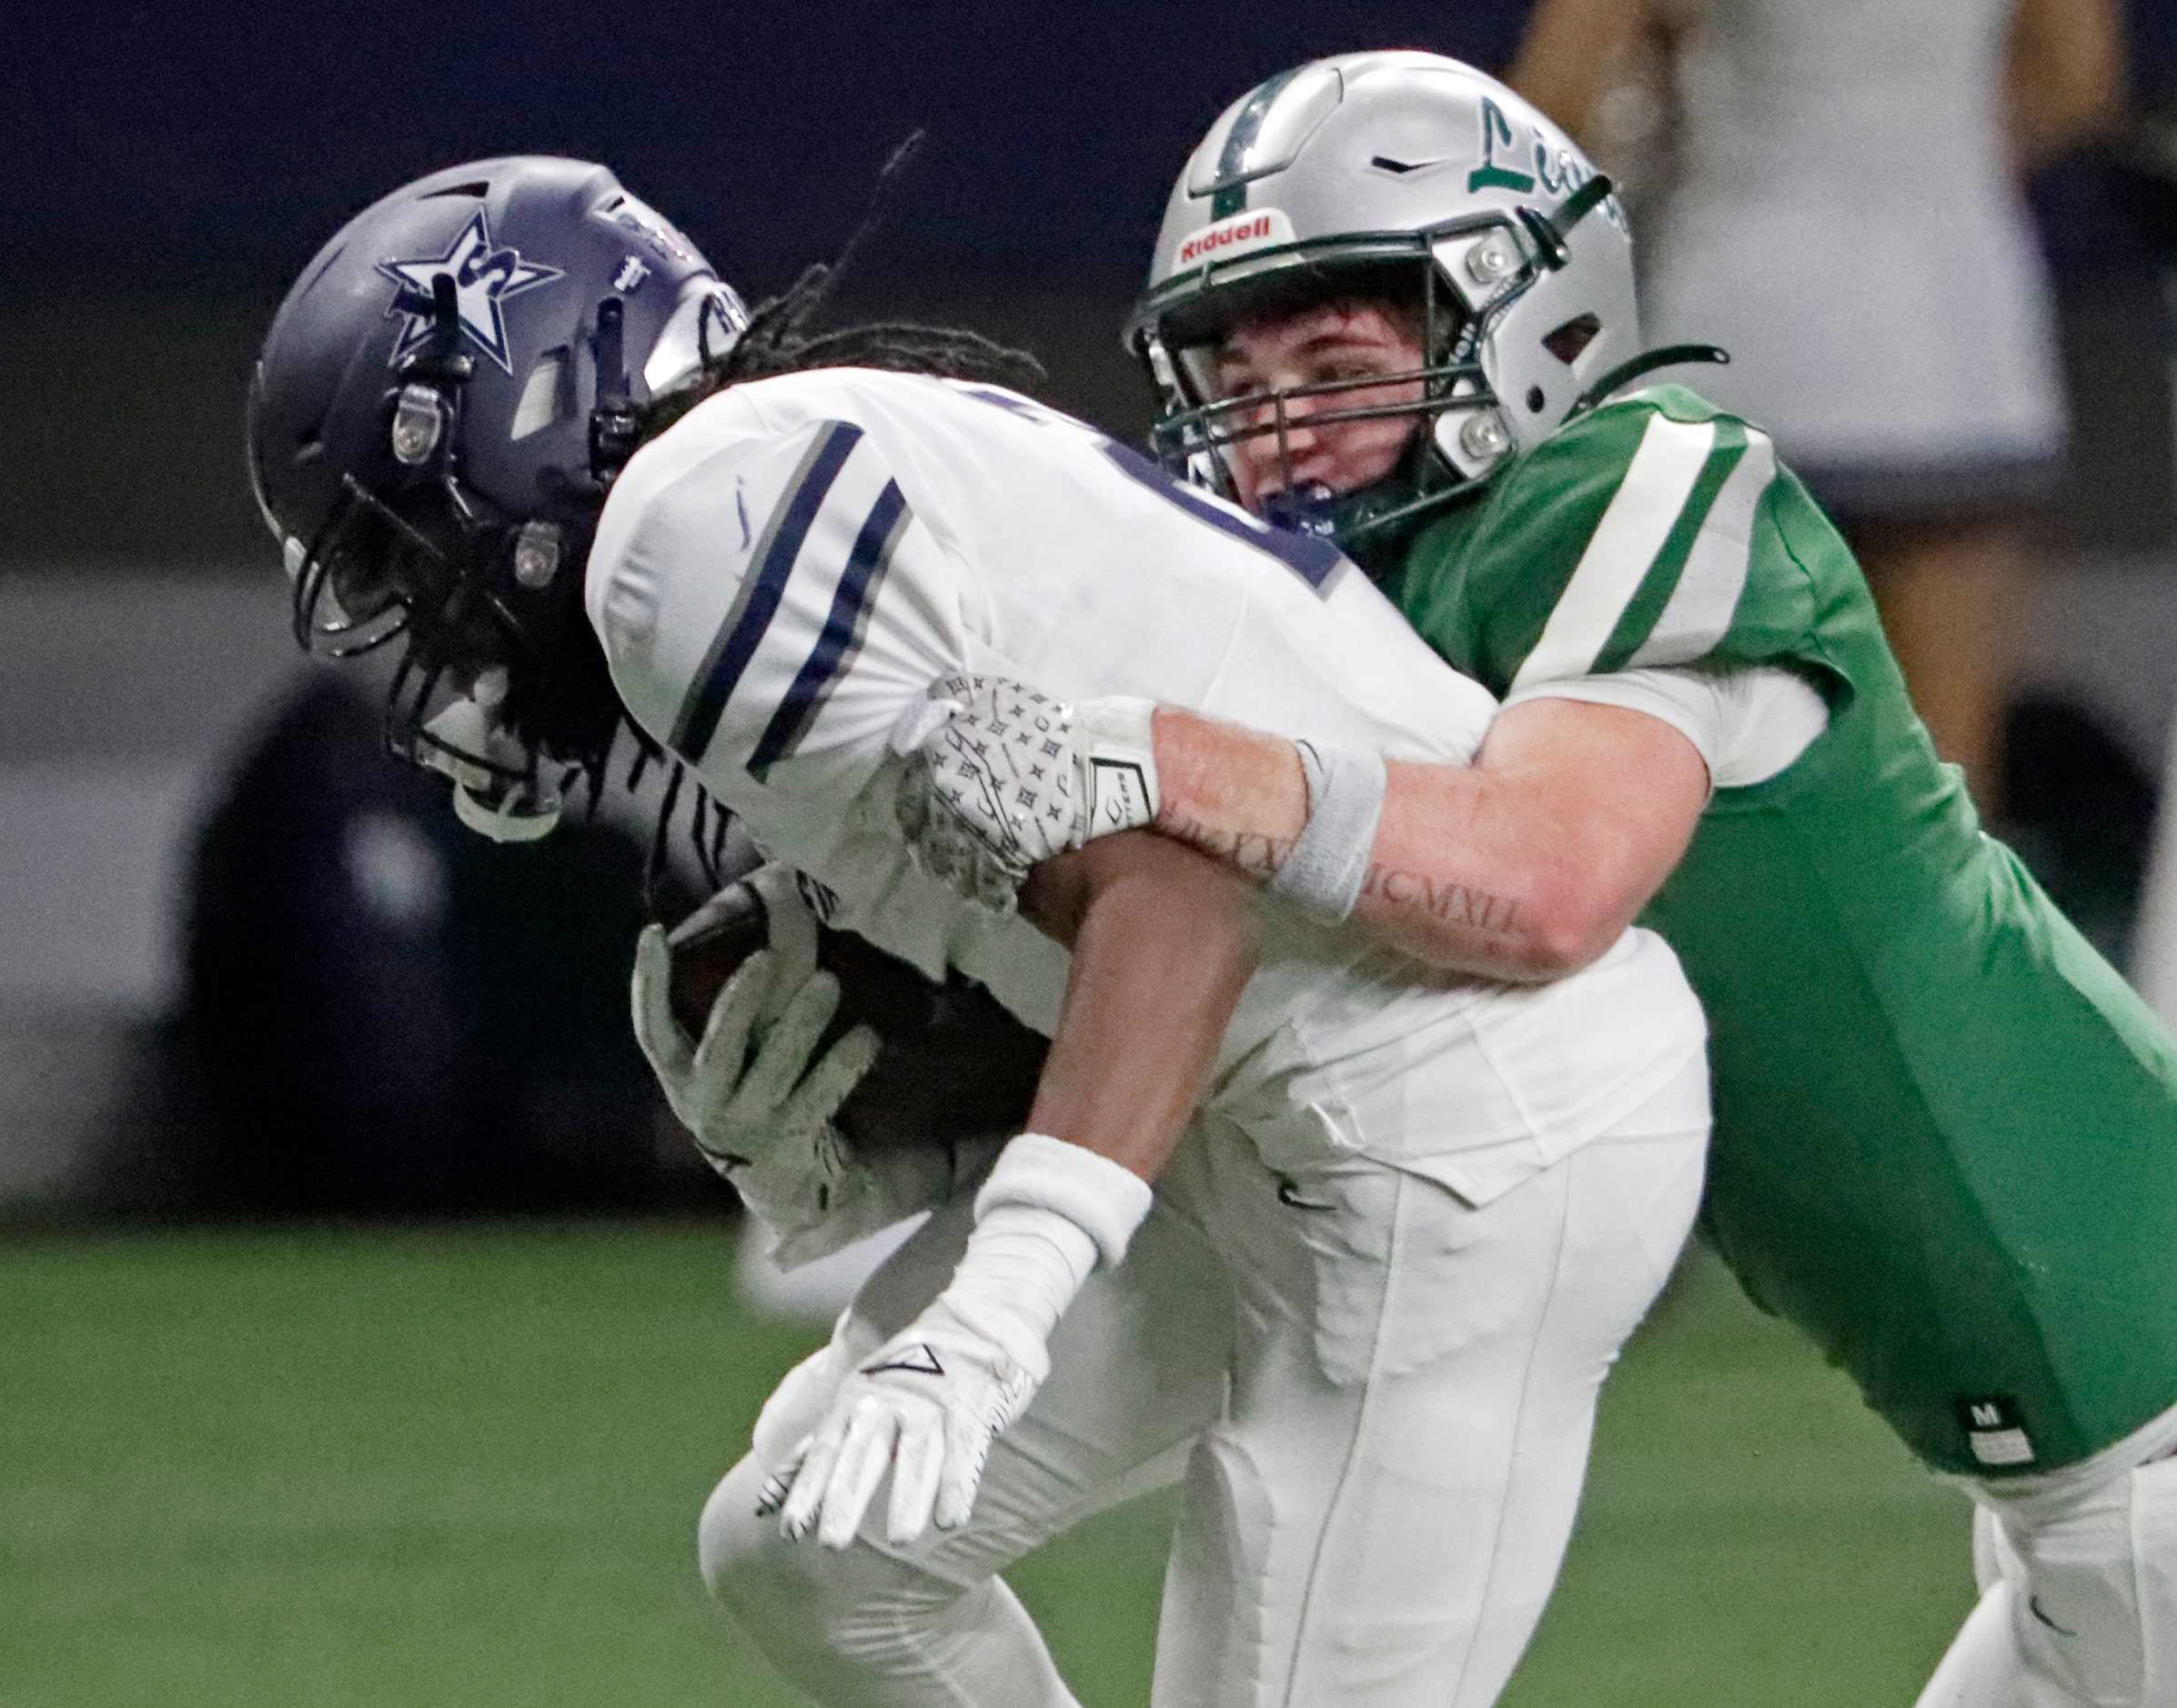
(1335, 344)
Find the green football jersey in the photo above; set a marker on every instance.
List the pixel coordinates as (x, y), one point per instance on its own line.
(1945, 1129)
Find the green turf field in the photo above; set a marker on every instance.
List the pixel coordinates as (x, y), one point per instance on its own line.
(463, 1467)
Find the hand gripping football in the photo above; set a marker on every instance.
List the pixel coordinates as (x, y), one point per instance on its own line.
(954, 1064)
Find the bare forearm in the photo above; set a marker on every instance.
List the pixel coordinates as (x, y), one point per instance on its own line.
(1459, 878)
(1236, 794)
(1511, 868)
(1436, 888)
(1163, 943)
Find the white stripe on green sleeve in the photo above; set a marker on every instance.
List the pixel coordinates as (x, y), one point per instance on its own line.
(1698, 612)
(1633, 530)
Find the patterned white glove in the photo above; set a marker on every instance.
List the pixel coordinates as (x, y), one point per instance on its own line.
(748, 1092)
(1001, 776)
(928, 1403)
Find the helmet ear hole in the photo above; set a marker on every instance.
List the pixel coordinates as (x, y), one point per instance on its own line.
(547, 398)
(1568, 341)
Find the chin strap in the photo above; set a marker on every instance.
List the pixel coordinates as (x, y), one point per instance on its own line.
(496, 793)
(1372, 532)
(614, 425)
(1647, 362)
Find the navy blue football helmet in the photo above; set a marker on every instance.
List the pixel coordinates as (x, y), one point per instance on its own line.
(439, 411)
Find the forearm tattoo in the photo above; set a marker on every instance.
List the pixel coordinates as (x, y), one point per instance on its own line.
(1451, 904)
(1454, 904)
(1257, 856)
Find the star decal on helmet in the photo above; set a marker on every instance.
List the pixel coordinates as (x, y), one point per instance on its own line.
(483, 276)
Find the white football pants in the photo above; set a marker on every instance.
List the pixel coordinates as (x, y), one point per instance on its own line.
(2078, 1574)
(1380, 1398)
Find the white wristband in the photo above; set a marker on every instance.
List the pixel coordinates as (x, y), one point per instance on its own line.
(1098, 1196)
(1329, 862)
(1018, 1275)
(1117, 744)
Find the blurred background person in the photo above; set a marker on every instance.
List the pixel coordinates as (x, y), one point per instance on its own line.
(2149, 182)
(385, 1014)
(1831, 190)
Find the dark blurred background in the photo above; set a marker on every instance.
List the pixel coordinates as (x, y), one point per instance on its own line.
(179, 791)
(174, 167)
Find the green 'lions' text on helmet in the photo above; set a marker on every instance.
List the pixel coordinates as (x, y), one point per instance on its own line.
(438, 410)
(1403, 175)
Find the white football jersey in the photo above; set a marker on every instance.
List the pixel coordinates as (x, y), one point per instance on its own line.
(789, 569)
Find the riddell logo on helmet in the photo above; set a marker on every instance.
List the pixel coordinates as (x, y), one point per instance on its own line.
(1235, 235)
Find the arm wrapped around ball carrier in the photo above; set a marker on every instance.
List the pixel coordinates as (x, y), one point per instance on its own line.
(1001, 776)
(1525, 864)
(833, 1086)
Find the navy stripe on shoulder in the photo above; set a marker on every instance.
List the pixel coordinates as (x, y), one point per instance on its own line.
(1315, 561)
(770, 565)
(845, 627)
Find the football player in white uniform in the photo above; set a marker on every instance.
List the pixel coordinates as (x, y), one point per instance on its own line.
(1367, 1311)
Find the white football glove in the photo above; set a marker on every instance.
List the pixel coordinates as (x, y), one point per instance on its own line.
(754, 1095)
(928, 1403)
(1001, 776)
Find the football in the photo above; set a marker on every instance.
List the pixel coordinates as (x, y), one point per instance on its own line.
(708, 948)
(954, 1064)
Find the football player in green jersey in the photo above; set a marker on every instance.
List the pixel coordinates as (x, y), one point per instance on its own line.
(1393, 303)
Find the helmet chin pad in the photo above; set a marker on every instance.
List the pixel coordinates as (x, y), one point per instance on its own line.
(1438, 464)
(499, 790)
(503, 823)
(1374, 524)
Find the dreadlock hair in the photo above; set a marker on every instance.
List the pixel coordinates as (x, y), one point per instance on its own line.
(778, 339)
(775, 342)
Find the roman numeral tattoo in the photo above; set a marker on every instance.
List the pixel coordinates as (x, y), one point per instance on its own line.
(1455, 904)
(1261, 856)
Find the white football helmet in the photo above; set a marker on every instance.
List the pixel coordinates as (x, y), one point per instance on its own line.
(1405, 175)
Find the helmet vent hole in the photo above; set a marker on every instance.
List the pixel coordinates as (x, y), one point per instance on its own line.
(546, 397)
(1384, 162)
(1574, 337)
(1535, 399)
(476, 190)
